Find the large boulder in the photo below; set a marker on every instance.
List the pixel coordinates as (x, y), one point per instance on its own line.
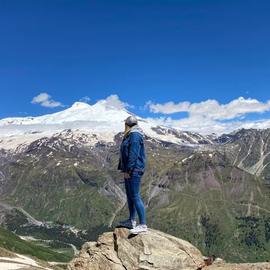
(119, 250)
(152, 250)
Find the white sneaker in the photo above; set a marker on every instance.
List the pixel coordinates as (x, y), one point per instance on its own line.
(130, 224)
(138, 229)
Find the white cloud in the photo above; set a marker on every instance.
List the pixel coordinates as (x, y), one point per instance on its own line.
(206, 117)
(113, 101)
(85, 99)
(168, 107)
(211, 108)
(236, 108)
(45, 100)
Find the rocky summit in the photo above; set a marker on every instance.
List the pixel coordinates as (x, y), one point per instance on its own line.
(120, 250)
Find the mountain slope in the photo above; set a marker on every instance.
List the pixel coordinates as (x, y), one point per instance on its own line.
(250, 150)
(197, 195)
(12, 242)
(200, 188)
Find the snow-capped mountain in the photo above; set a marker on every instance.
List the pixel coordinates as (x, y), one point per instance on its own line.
(79, 111)
(62, 168)
(100, 122)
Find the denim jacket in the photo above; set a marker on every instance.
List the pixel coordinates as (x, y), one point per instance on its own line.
(132, 152)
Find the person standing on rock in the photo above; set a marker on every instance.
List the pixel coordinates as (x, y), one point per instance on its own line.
(132, 163)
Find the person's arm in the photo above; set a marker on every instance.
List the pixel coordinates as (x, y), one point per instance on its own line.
(134, 147)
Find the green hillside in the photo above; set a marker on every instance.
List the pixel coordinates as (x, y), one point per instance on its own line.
(12, 242)
(200, 194)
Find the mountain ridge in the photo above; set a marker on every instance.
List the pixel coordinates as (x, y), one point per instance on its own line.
(104, 119)
(203, 187)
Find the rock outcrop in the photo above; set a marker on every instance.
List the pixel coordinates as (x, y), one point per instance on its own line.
(119, 250)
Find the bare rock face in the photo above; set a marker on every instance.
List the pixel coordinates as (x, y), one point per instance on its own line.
(146, 251)
(119, 250)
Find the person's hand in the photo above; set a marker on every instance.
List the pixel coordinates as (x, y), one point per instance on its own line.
(126, 175)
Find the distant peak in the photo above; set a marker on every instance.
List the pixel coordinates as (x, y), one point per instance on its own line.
(79, 105)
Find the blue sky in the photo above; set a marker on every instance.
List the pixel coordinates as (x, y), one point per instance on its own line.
(141, 51)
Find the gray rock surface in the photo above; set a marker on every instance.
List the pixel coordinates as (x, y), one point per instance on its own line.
(151, 250)
(119, 250)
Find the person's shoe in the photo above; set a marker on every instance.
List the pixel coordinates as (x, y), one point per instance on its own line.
(130, 224)
(138, 229)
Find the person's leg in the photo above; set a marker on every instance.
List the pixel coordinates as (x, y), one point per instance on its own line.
(131, 206)
(135, 183)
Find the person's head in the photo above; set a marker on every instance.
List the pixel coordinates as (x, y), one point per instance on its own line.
(130, 122)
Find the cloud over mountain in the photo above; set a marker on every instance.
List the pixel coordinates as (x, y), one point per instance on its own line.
(211, 116)
(211, 108)
(45, 100)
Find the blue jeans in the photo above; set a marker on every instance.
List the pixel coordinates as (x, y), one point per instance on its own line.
(134, 199)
